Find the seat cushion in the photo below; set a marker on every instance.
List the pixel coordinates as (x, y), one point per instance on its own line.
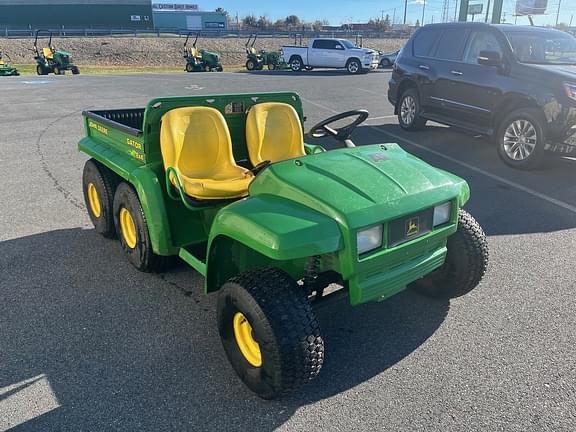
(273, 133)
(196, 142)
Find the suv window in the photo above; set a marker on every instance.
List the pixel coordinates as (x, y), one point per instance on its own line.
(451, 44)
(481, 41)
(424, 41)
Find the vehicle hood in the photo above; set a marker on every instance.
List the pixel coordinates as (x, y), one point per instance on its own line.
(565, 71)
(362, 51)
(361, 186)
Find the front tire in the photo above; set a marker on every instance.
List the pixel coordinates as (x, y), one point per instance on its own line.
(465, 265)
(520, 139)
(409, 111)
(98, 185)
(269, 332)
(132, 229)
(75, 70)
(354, 67)
(296, 64)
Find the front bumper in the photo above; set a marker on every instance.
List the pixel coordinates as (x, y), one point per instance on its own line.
(370, 63)
(390, 271)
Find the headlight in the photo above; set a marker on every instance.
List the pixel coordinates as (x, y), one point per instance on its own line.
(369, 239)
(570, 90)
(442, 213)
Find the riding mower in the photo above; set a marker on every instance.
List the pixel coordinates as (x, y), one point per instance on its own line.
(257, 59)
(52, 60)
(200, 60)
(6, 69)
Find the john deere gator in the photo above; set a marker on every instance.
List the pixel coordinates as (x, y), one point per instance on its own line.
(227, 183)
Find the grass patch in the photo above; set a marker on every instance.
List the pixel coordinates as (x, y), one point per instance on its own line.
(30, 69)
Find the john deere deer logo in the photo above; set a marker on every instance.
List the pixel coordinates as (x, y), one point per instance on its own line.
(412, 227)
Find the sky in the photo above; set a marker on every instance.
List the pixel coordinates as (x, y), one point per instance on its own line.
(342, 11)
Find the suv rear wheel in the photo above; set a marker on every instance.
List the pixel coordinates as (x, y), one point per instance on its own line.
(521, 139)
(409, 111)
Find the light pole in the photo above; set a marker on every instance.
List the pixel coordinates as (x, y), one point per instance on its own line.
(423, 9)
(405, 10)
(558, 13)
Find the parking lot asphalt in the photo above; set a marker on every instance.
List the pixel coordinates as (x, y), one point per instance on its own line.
(89, 343)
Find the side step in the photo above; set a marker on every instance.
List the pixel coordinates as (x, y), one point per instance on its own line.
(192, 261)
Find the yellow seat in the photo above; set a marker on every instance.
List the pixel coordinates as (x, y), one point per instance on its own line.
(252, 50)
(196, 142)
(273, 133)
(47, 53)
(195, 53)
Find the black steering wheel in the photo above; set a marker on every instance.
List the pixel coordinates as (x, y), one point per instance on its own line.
(343, 133)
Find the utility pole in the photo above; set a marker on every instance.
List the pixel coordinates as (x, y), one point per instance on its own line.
(394, 17)
(423, 9)
(406, 9)
(570, 25)
(558, 13)
(487, 10)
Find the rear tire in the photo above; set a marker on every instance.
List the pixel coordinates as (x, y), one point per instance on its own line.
(409, 111)
(282, 329)
(520, 139)
(250, 65)
(40, 70)
(465, 265)
(98, 185)
(189, 67)
(132, 228)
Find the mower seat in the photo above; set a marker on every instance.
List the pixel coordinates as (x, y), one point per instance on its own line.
(47, 53)
(196, 142)
(252, 50)
(273, 133)
(195, 53)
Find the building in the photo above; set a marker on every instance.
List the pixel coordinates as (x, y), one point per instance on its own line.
(186, 17)
(106, 14)
(54, 14)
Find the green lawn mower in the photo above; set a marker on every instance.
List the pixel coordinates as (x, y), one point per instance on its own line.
(258, 59)
(51, 60)
(6, 69)
(199, 60)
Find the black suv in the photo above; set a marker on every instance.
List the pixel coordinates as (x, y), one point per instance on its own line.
(515, 83)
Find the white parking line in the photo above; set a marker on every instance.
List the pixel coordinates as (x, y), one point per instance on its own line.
(495, 177)
(382, 117)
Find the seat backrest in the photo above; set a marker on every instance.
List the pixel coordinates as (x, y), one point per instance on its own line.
(47, 52)
(196, 141)
(273, 133)
(252, 50)
(195, 53)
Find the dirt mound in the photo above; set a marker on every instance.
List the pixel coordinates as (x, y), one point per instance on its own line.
(155, 51)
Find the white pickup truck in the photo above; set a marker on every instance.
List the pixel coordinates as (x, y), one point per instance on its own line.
(331, 53)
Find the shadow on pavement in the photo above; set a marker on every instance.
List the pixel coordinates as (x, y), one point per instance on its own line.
(123, 350)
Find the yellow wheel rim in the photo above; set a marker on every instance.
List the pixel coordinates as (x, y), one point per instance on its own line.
(248, 346)
(94, 200)
(128, 228)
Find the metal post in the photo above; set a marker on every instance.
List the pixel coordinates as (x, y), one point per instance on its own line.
(558, 13)
(487, 10)
(463, 16)
(394, 16)
(497, 11)
(423, 9)
(405, 10)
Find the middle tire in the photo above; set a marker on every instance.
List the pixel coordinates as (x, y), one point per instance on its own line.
(132, 230)
(269, 332)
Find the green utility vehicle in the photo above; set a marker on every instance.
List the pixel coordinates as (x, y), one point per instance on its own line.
(51, 60)
(199, 60)
(227, 183)
(257, 59)
(6, 68)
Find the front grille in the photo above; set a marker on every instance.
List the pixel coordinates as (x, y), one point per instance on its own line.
(410, 227)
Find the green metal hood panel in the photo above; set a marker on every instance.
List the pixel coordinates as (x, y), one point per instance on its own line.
(361, 186)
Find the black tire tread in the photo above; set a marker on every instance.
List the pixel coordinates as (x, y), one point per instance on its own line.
(284, 305)
(108, 183)
(469, 245)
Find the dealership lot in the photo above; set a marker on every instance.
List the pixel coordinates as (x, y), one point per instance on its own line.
(89, 343)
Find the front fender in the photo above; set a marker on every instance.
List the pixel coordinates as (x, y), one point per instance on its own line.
(269, 229)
